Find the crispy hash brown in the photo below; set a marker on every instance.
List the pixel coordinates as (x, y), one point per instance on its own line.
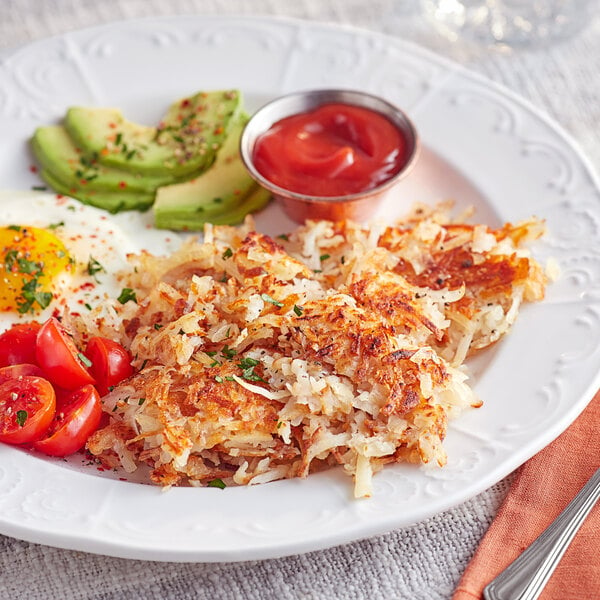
(339, 344)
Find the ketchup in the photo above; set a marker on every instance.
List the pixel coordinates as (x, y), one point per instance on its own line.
(333, 150)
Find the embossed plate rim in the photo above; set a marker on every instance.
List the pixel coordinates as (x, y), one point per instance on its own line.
(211, 525)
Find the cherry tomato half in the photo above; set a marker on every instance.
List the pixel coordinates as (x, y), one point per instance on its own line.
(17, 344)
(111, 363)
(77, 417)
(27, 407)
(16, 371)
(59, 358)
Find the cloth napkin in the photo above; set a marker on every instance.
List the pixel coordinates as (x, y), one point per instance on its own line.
(541, 489)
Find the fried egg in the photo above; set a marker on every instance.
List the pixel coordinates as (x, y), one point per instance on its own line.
(56, 252)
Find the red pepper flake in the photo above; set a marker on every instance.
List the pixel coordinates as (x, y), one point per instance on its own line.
(122, 185)
(122, 479)
(101, 469)
(112, 125)
(218, 130)
(33, 169)
(185, 103)
(83, 181)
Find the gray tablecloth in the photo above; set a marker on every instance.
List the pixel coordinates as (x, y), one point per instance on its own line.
(421, 562)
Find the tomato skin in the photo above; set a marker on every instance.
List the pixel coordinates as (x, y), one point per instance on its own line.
(111, 363)
(17, 344)
(33, 395)
(77, 417)
(16, 371)
(58, 356)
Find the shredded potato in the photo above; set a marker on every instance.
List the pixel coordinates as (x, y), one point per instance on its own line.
(339, 344)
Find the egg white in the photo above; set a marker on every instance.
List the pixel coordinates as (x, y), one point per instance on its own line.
(88, 233)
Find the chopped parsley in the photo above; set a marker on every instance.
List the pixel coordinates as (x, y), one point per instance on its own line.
(298, 310)
(228, 352)
(247, 365)
(126, 295)
(10, 258)
(84, 359)
(29, 267)
(324, 257)
(268, 298)
(217, 483)
(21, 417)
(248, 362)
(31, 295)
(227, 254)
(94, 267)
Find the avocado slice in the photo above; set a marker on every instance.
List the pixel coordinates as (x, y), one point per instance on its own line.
(191, 220)
(56, 152)
(113, 202)
(217, 189)
(185, 141)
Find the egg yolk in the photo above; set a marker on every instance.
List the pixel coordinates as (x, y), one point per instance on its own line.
(31, 260)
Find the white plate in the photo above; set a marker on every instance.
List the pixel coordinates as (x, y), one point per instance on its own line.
(482, 146)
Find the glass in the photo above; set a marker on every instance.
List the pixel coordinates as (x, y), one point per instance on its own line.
(509, 22)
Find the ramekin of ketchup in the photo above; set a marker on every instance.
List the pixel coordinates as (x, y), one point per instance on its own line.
(329, 154)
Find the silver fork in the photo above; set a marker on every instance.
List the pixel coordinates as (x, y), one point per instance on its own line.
(525, 578)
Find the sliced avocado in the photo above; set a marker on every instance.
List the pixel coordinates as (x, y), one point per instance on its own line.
(256, 199)
(56, 152)
(185, 141)
(217, 189)
(113, 202)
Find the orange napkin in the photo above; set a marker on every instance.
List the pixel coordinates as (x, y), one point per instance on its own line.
(542, 488)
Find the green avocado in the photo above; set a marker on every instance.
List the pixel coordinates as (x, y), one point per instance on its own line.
(216, 190)
(113, 202)
(191, 220)
(184, 142)
(56, 153)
